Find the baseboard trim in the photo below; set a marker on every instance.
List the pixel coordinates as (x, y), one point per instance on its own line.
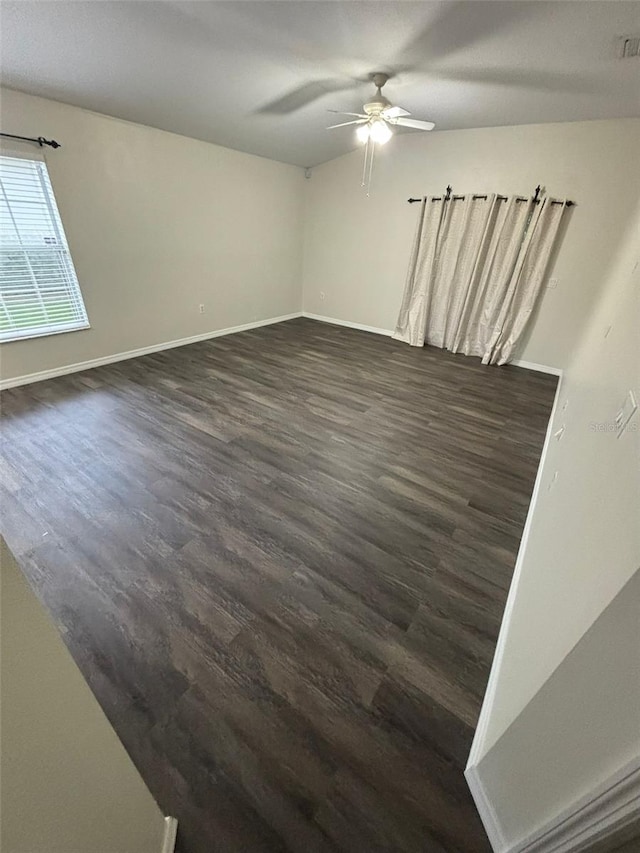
(607, 809)
(527, 365)
(485, 810)
(360, 326)
(28, 378)
(479, 747)
(540, 368)
(169, 835)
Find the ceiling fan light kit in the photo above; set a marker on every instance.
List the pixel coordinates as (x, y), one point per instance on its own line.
(374, 124)
(376, 130)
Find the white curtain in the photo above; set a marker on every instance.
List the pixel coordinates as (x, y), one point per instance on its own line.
(412, 321)
(477, 267)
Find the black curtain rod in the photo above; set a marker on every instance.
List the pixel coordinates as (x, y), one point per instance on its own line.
(500, 198)
(448, 197)
(40, 140)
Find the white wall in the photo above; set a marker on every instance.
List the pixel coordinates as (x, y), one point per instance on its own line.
(580, 733)
(157, 224)
(68, 786)
(357, 248)
(584, 537)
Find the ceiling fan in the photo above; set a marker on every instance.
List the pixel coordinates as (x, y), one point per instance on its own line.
(379, 113)
(374, 124)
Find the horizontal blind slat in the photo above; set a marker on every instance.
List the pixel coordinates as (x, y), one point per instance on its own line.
(39, 290)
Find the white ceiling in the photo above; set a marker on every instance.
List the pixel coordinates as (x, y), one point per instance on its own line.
(225, 71)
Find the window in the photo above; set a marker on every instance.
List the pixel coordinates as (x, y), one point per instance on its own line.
(39, 290)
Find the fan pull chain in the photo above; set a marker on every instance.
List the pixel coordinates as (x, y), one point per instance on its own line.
(373, 150)
(364, 168)
(367, 168)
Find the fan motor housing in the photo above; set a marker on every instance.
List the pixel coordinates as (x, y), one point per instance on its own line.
(376, 106)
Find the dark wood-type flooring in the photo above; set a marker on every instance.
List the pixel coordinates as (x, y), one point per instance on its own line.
(280, 559)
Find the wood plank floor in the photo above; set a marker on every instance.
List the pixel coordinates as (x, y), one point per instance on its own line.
(280, 559)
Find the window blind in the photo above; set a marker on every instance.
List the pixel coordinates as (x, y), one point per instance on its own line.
(39, 290)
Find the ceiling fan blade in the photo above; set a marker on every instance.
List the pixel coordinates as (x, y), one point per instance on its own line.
(459, 25)
(304, 95)
(412, 122)
(394, 112)
(341, 113)
(537, 79)
(345, 123)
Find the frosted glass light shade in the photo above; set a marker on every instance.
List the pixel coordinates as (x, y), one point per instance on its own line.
(380, 131)
(363, 133)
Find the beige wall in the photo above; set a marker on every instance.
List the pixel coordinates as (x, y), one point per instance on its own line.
(584, 537)
(157, 224)
(68, 786)
(357, 248)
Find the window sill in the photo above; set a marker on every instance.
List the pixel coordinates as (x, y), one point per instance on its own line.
(45, 333)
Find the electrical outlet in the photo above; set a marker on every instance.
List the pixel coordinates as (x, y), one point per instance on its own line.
(553, 283)
(201, 308)
(322, 295)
